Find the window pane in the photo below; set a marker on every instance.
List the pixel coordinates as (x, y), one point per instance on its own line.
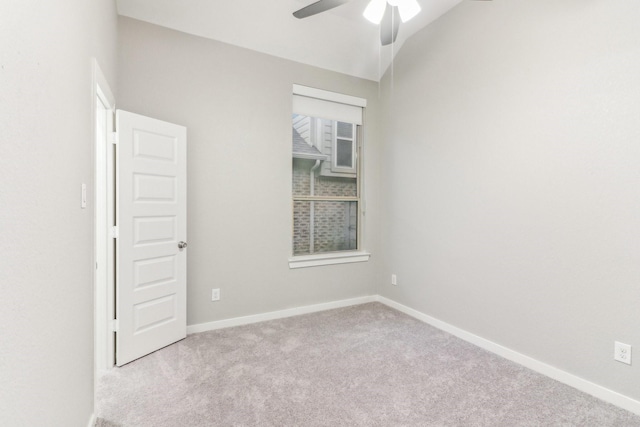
(344, 156)
(324, 166)
(345, 130)
(324, 226)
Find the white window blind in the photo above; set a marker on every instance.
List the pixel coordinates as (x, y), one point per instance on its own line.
(314, 102)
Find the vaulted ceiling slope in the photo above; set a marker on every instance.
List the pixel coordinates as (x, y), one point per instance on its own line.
(340, 39)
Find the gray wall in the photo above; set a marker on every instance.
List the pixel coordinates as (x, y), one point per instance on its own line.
(511, 184)
(236, 104)
(46, 250)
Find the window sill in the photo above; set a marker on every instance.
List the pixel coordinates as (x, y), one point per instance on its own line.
(328, 259)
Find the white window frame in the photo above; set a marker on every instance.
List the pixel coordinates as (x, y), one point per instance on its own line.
(347, 109)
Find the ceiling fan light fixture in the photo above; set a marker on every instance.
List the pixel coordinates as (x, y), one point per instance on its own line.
(375, 11)
(408, 9)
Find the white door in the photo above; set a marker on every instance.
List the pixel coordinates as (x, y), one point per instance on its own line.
(151, 209)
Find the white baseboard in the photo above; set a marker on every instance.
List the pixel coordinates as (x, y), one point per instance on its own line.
(574, 381)
(92, 420)
(281, 314)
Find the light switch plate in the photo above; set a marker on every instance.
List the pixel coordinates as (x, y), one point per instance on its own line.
(83, 203)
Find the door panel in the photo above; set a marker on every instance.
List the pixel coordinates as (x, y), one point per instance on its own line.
(151, 218)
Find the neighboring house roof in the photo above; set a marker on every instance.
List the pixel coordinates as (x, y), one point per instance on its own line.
(302, 150)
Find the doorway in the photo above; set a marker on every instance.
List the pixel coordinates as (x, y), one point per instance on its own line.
(140, 231)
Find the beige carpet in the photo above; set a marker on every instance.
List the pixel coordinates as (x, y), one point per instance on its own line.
(366, 365)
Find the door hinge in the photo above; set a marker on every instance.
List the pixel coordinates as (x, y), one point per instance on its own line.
(114, 137)
(114, 325)
(114, 232)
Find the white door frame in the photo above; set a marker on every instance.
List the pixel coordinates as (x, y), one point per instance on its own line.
(103, 112)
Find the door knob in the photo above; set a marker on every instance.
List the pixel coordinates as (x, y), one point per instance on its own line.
(182, 245)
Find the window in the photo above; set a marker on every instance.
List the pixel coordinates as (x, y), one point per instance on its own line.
(344, 148)
(326, 185)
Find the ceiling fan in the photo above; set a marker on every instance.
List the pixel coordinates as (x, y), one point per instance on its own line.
(383, 12)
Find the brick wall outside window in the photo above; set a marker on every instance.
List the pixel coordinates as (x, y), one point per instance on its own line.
(333, 219)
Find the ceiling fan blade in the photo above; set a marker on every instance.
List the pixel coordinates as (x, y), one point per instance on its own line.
(317, 7)
(389, 26)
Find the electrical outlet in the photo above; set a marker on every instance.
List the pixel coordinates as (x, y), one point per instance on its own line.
(394, 280)
(622, 353)
(215, 294)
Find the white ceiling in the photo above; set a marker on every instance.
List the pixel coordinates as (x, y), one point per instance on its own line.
(340, 39)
